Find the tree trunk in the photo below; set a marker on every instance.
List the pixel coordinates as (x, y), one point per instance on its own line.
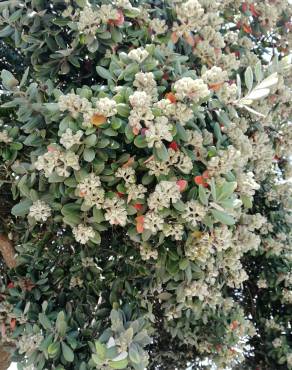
(4, 358)
(7, 251)
(8, 254)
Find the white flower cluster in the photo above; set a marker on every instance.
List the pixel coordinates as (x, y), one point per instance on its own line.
(68, 139)
(73, 103)
(158, 26)
(91, 191)
(160, 130)
(116, 213)
(146, 82)
(141, 112)
(189, 14)
(166, 192)
(40, 211)
(90, 19)
(148, 252)
(134, 191)
(194, 212)
(28, 343)
(173, 230)
(138, 55)
(194, 90)
(4, 137)
(214, 77)
(106, 107)
(59, 161)
(83, 233)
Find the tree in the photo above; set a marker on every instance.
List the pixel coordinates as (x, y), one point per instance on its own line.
(145, 172)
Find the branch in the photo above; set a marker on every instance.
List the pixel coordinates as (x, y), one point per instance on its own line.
(7, 251)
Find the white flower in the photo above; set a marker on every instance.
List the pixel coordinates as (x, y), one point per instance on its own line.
(138, 55)
(74, 104)
(180, 161)
(174, 230)
(146, 82)
(69, 139)
(29, 343)
(262, 283)
(127, 174)
(4, 137)
(90, 189)
(161, 130)
(277, 342)
(116, 213)
(227, 93)
(135, 191)
(83, 233)
(182, 113)
(70, 159)
(159, 26)
(148, 252)
(106, 107)
(165, 192)
(194, 212)
(106, 12)
(40, 211)
(140, 100)
(215, 76)
(89, 21)
(157, 168)
(197, 289)
(48, 161)
(246, 184)
(153, 222)
(195, 90)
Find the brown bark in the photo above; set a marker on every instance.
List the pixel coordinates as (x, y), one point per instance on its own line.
(4, 358)
(7, 251)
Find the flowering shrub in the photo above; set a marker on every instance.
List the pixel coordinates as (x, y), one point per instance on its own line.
(146, 151)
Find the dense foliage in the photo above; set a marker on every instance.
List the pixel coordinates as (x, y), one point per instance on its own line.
(145, 184)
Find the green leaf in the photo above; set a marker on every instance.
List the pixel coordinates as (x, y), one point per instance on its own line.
(67, 352)
(203, 196)
(53, 349)
(140, 141)
(22, 208)
(179, 206)
(183, 264)
(61, 324)
(161, 153)
(46, 323)
(104, 73)
(181, 132)
(8, 80)
(98, 216)
(24, 77)
(122, 364)
(100, 349)
(90, 140)
(117, 36)
(223, 217)
(123, 110)
(248, 78)
(134, 353)
(89, 154)
(225, 190)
